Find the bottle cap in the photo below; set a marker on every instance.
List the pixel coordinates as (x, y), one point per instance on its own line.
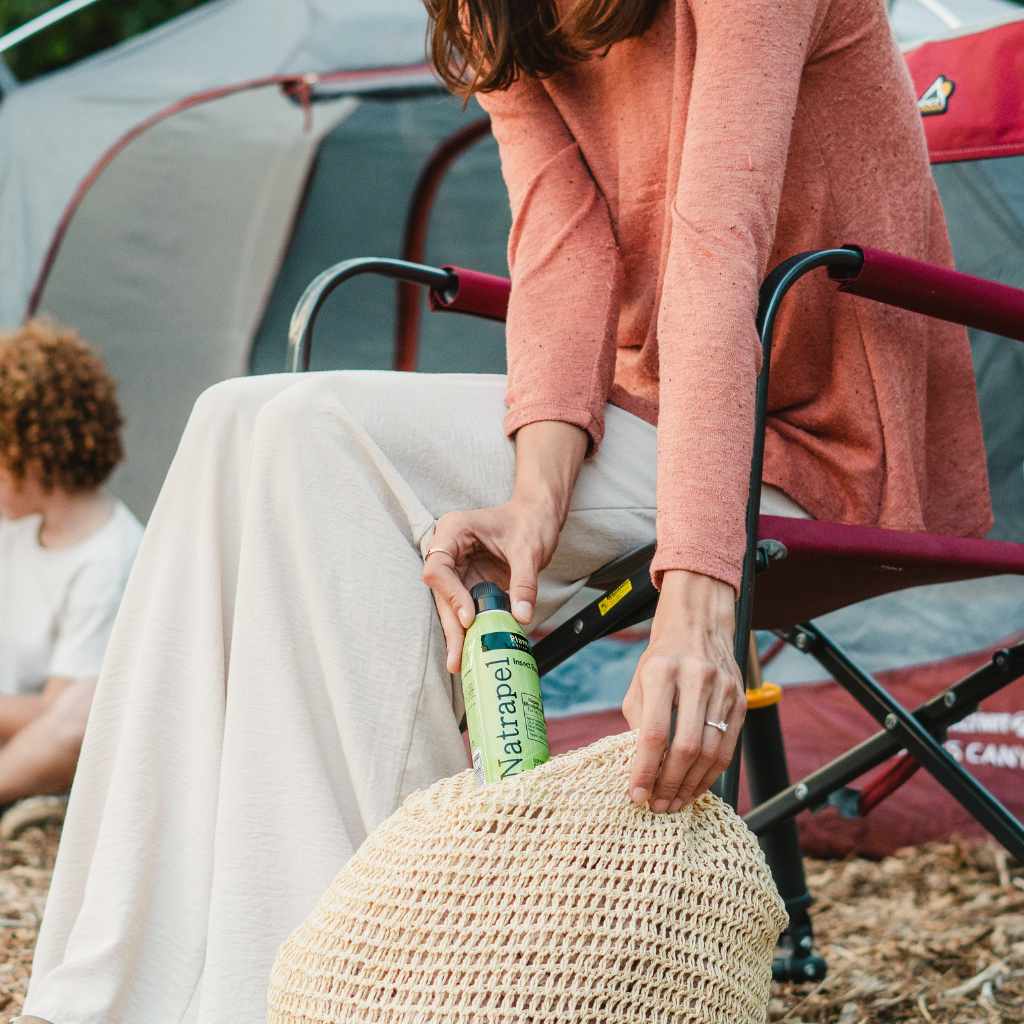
(489, 596)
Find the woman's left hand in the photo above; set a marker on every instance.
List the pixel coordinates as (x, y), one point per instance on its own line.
(688, 666)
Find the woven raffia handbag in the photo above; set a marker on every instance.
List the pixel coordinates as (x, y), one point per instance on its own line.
(547, 897)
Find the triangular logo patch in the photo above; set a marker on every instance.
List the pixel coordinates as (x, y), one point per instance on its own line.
(935, 99)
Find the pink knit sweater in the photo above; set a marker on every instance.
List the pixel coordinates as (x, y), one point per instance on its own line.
(653, 187)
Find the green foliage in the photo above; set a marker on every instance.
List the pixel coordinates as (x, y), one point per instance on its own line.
(86, 32)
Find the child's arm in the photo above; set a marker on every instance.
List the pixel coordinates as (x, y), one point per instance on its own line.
(17, 710)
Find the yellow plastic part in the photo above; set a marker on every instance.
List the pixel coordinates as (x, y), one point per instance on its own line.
(606, 604)
(764, 696)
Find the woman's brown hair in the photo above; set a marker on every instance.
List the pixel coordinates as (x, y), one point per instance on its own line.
(484, 45)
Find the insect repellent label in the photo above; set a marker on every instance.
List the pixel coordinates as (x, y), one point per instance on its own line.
(504, 642)
(504, 709)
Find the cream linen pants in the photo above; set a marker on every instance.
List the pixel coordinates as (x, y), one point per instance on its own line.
(275, 683)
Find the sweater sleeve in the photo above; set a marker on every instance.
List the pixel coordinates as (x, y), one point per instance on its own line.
(748, 67)
(564, 264)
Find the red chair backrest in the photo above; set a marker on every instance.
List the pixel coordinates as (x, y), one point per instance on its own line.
(971, 93)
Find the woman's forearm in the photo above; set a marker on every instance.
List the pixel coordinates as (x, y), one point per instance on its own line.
(549, 454)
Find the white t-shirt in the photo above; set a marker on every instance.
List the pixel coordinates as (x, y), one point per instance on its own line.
(57, 605)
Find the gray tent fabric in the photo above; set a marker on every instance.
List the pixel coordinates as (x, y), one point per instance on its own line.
(167, 263)
(52, 130)
(202, 234)
(984, 203)
(356, 206)
(169, 260)
(914, 20)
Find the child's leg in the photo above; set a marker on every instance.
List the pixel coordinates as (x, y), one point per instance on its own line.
(41, 757)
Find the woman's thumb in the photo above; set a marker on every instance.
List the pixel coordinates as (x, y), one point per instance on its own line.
(522, 591)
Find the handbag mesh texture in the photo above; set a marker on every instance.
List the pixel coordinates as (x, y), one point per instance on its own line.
(546, 897)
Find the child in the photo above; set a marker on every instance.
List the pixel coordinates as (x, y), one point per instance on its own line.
(66, 548)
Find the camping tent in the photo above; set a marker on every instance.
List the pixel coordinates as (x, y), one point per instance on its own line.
(149, 196)
(916, 20)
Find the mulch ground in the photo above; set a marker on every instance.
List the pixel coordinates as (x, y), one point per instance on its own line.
(934, 934)
(26, 864)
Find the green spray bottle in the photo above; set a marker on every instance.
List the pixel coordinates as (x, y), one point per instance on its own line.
(501, 687)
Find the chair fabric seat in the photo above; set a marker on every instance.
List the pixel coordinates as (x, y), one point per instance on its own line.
(832, 565)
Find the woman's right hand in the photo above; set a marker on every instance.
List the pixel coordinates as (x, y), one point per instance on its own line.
(506, 544)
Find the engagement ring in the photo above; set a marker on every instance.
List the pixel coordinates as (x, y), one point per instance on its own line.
(720, 726)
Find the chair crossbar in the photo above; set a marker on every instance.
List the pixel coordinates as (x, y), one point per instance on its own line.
(628, 597)
(919, 733)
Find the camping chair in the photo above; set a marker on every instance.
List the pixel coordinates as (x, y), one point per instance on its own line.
(794, 571)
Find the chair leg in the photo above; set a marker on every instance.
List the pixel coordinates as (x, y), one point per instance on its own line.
(914, 737)
(727, 785)
(768, 774)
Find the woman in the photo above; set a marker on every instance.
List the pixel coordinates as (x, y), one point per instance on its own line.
(277, 680)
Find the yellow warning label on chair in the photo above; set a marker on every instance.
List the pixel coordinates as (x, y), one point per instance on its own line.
(606, 604)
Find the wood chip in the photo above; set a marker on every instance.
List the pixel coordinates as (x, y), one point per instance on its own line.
(923, 1007)
(973, 984)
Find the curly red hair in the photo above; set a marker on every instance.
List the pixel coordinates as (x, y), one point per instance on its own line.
(59, 416)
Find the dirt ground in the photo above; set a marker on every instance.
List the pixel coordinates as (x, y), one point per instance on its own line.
(934, 934)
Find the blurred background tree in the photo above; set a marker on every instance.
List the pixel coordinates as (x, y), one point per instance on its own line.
(86, 32)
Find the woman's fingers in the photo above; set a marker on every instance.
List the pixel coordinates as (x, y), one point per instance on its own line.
(452, 541)
(454, 602)
(713, 747)
(483, 544)
(655, 722)
(522, 589)
(454, 635)
(673, 766)
(439, 574)
(689, 744)
(727, 749)
(633, 704)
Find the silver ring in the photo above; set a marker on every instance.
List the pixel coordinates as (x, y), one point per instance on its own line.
(720, 726)
(430, 551)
